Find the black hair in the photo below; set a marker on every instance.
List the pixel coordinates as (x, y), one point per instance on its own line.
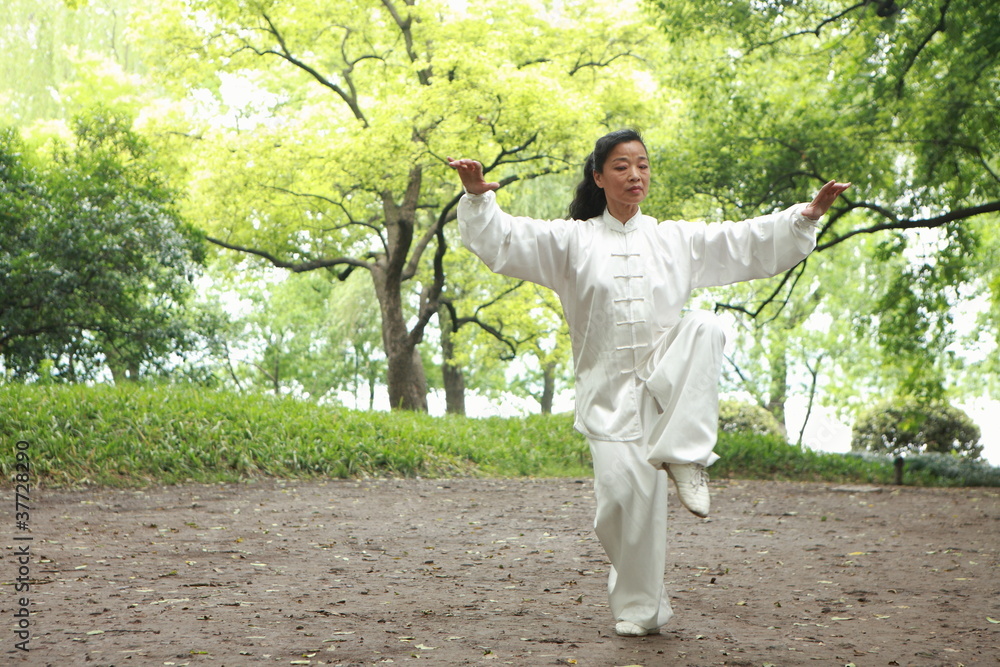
(589, 200)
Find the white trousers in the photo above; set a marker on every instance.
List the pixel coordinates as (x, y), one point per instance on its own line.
(680, 413)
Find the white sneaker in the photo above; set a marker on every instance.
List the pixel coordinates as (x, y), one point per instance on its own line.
(630, 629)
(692, 486)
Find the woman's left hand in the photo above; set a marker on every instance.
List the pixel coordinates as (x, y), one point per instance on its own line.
(824, 199)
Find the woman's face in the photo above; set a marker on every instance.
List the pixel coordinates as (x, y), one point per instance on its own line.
(625, 175)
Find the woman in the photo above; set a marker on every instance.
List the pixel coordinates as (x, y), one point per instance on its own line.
(646, 377)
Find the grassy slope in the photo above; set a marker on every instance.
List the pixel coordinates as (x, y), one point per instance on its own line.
(132, 436)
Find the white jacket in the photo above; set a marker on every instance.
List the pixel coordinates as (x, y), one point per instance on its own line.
(623, 286)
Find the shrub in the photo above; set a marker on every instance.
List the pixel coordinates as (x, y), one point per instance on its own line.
(908, 425)
(950, 470)
(740, 417)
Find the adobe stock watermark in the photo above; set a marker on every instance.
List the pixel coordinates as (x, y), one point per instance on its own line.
(21, 557)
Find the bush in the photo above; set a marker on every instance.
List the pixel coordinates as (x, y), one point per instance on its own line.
(740, 417)
(950, 470)
(748, 456)
(897, 427)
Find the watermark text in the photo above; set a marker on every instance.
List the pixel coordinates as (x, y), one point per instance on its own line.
(22, 544)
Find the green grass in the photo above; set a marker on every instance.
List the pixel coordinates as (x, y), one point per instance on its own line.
(135, 436)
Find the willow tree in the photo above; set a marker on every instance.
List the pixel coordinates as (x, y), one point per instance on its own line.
(335, 159)
(48, 44)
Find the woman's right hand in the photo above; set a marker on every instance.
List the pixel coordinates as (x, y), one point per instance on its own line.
(471, 173)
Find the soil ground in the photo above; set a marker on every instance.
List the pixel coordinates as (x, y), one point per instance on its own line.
(498, 572)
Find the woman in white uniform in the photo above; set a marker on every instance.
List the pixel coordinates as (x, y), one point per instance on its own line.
(646, 377)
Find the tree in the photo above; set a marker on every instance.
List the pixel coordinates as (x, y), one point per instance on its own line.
(512, 332)
(547, 350)
(297, 334)
(518, 342)
(344, 170)
(902, 98)
(96, 264)
(899, 99)
(48, 44)
(916, 426)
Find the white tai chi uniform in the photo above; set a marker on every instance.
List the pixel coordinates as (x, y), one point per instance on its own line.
(646, 378)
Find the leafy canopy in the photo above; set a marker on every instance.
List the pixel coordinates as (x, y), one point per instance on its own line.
(95, 262)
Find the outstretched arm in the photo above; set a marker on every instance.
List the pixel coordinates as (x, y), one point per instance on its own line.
(471, 173)
(824, 199)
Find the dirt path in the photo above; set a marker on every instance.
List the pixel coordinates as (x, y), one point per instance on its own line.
(499, 572)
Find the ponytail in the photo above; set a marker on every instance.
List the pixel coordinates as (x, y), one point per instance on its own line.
(589, 200)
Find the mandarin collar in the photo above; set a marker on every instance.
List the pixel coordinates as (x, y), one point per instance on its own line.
(616, 225)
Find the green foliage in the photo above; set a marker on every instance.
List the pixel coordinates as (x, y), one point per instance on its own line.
(60, 57)
(909, 425)
(900, 99)
(133, 436)
(750, 456)
(298, 333)
(335, 157)
(903, 100)
(748, 418)
(96, 262)
(746, 106)
(950, 470)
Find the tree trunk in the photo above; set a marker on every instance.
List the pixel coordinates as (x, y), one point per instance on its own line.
(122, 369)
(454, 380)
(548, 387)
(407, 382)
(814, 373)
(405, 377)
(778, 392)
(390, 270)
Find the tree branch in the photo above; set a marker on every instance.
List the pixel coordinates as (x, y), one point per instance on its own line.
(501, 295)
(406, 28)
(350, 221)
(579, 65)
(814, 373)
(350, 98)
(812, 31)
(744, 380)
(896, 223)
(792, 274)
(295, 267)
(418, 251)
(496, 332)
(915, 53)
